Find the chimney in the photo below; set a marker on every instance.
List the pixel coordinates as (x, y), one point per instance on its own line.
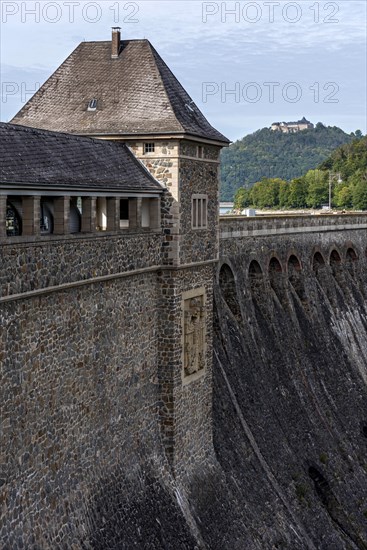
(116, 40)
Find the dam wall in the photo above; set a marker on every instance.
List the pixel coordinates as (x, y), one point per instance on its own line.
(107, 443)
(290, 376)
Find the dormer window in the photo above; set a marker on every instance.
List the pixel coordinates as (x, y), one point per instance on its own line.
(92, 105)
(149, 148)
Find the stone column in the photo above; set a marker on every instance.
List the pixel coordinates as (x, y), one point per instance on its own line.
(135, 212)
(155, 213)
(89, 212)
(62, 216)
(113, 214)
(3, 199)
(31, 215)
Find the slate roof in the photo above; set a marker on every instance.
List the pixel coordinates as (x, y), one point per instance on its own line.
(137, 95)
(31, 157)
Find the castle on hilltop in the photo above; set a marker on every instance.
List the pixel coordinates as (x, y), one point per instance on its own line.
(292, 127)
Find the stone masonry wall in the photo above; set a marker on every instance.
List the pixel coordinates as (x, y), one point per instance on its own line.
(163, 165)
(185, 412)
(29, 264)
(199, 177)
(79, 406)
(177, 165)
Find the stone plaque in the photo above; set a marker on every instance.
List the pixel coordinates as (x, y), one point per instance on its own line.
(194, 331)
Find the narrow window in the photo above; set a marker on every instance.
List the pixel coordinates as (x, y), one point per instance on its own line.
(149, 148)
(199, 211)
(200, 151)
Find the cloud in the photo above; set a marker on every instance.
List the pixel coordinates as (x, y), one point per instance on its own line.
(220, 50)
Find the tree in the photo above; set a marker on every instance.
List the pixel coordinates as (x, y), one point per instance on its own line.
(317, 188)
(284, 192)
(241, 198)
(265, 193)
(359, 181)
(297, 193)
(343, 195)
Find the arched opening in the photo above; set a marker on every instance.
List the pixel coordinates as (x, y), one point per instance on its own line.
(294, 264)
(337, 270)
(351, 255)
(323, 276)
(274, 266)
(227, 285)
(318, 262)
(295, 277)
(276, 278)
(350, 259)
(256, 279)
(335, 258)
(13, 219)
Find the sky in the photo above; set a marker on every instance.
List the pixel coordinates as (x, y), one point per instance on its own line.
(245, 64)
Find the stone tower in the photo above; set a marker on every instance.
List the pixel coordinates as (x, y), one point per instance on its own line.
(134, 98)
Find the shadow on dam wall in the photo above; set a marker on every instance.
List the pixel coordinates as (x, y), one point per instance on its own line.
(290, 405)
(289, 423)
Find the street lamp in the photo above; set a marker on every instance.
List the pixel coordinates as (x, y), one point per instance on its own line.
(333, 175)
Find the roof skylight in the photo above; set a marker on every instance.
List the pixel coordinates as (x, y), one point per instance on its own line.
(92, 105)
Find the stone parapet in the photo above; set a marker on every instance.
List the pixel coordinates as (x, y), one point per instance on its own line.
(240, 226)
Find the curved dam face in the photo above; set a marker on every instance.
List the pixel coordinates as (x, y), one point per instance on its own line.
(290, 375)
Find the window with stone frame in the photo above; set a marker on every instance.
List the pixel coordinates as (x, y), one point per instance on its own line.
(199, 210)
(149, 148)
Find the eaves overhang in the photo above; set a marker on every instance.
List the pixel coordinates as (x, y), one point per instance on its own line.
(34, 189)
(156, 136)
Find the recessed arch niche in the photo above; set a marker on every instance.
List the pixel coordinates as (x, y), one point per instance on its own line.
(351, 255)
(295, 277)
(351, 258)
(227, 285)
(335, 259)
(276, 278)
(318, 262)
(256, 278)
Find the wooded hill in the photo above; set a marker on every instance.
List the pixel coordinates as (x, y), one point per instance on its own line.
(345, 171)
(270, 154)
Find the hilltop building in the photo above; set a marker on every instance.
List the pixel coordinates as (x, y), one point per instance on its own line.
(292, 127)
